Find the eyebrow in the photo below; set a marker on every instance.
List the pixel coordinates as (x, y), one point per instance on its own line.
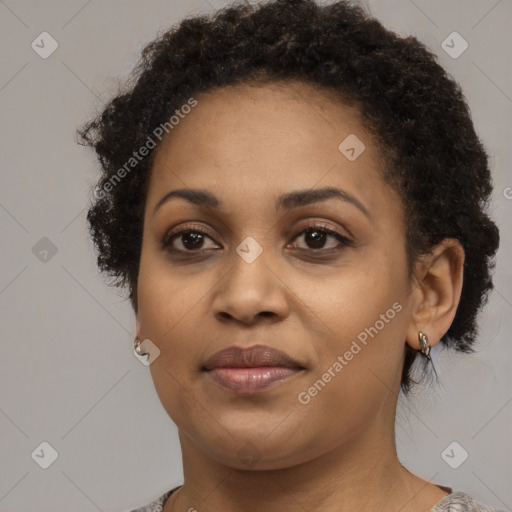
(287, 201)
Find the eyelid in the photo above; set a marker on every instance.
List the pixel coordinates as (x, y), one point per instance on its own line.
(183, 229)
(311, 225)
(322, 224)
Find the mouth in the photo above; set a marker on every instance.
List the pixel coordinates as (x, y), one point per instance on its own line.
(251, 370)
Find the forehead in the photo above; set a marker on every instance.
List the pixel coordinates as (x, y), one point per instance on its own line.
(258, 140)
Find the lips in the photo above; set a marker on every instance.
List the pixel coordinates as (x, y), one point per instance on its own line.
(252, 357)
(250, 370)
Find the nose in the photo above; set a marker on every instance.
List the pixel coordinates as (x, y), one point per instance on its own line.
(251, 292)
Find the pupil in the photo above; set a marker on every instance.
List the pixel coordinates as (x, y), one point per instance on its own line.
(314, 238)
(317, 239)
(192, 240)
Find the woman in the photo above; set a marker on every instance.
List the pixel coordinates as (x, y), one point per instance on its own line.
(295, 198)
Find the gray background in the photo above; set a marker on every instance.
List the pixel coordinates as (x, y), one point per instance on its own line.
(68, 375)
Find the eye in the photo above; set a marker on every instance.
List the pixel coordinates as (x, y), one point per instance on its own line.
(316, 236)
(190, 239)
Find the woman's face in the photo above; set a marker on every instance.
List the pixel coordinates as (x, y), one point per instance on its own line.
(340, 310)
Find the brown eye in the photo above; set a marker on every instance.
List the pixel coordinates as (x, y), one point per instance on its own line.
(316, 237)
(186, 240)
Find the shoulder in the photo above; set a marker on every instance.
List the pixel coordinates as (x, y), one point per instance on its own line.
(461, 502)
(454, 502)
(156, 505)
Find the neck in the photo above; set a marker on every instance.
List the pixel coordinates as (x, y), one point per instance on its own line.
(357, 475)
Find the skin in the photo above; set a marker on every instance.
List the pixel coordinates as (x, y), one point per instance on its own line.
(247, 145)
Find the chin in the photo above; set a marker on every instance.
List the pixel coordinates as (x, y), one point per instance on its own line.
(259, 447)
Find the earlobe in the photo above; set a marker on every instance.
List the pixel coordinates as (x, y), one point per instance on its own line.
(437, 290)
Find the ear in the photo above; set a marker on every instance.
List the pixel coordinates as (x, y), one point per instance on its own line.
(436, 292)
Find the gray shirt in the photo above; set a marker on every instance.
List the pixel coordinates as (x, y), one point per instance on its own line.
(454, 502)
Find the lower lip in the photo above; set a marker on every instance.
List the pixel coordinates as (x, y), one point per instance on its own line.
(251, 380)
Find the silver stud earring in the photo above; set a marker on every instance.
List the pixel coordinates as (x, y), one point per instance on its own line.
(137, 348)
(425, 347)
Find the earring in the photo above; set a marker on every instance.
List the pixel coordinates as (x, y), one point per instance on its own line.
(137, 348)
(425, 347)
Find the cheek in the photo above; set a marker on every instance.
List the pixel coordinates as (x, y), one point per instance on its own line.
(168, 311)
(165, 298)
(358, 299)
(364, 312)
(358, 375)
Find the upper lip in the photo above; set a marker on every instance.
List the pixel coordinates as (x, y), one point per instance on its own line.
(252, 357)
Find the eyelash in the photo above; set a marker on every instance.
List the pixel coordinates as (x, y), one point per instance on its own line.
(322, 228)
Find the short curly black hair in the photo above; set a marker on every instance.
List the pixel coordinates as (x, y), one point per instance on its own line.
(414, 109)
